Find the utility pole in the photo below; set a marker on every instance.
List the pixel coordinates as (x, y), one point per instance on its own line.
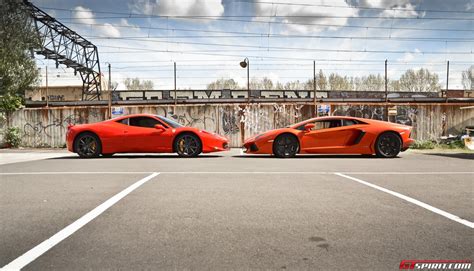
(447, 80)
(175, 95)
(47, 94)
(110, 93)
(314, 88)
(248, 81)
(386, 92)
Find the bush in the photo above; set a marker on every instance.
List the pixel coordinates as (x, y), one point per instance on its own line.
(12, 137)
(455, 144)
(423, 145)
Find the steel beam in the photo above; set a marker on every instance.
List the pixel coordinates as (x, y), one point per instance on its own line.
(68, 48)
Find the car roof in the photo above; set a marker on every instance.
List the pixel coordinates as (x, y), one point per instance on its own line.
(134, 115)
(330, 118)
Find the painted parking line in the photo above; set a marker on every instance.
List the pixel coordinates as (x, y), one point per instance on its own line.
(411, 200)
(46, 245)
(239, 172)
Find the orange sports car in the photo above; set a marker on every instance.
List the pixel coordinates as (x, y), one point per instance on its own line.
(335, 135)
(141, 133)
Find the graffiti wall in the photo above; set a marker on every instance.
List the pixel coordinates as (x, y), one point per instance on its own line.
(47, 127)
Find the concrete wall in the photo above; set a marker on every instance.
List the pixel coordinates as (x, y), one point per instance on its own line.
(46, 127)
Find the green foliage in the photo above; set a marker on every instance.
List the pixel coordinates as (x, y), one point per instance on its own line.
(9, 103)
(12, 136)
(456, 144)
(18, 71)
(429, 145)
(423, 145)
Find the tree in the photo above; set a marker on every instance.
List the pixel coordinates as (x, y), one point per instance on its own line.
(223, 84)
(468, 78)
(136, 84)
(18, 70)
(321, 81)
(371, 82)
(418, 81)
(337, 82)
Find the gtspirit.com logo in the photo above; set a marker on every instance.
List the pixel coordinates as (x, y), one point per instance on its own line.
(436, 264)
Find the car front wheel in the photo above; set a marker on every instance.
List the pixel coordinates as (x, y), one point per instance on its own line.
(188, 145)
(285, 146)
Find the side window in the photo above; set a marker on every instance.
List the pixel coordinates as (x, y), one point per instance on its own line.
(348, 122)
(325, 124)
(143, 122)
(123, 121)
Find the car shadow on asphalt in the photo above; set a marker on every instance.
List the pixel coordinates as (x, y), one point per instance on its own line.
(148, 156)
(312, 156)
(468, 156)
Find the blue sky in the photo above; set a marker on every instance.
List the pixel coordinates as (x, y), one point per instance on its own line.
(208, 38)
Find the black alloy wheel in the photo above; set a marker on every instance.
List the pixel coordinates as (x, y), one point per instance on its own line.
(188, 145)
(87, 145)
(285, 146)
(388, 145)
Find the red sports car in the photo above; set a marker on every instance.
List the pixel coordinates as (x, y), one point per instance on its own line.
(335, 135)
(141, 133)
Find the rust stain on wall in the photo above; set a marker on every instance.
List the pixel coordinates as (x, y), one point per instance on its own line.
(47, 127)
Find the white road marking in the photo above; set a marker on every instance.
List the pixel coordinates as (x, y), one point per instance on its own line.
(412, 200)
(46, 245)
(237, 172)
(74, 172)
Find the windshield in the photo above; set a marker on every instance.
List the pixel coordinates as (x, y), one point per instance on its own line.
(171, 123)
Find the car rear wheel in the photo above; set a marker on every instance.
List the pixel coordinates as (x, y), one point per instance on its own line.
(188, 145)
(285, 146)
(87, 145)
(388, 145)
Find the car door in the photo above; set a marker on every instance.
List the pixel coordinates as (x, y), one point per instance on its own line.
(112, 136)
(328, 135)
(142, 136)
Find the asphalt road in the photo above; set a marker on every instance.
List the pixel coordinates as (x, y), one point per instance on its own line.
(232, 211)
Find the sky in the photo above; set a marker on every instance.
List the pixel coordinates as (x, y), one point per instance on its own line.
(281, 38)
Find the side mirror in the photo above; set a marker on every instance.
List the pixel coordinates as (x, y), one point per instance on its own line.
(308, 127)
(160, 127)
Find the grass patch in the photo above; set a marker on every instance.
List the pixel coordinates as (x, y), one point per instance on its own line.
(430, 144)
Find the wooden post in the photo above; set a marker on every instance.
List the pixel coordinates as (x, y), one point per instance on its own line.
(315, 113)
(447, 80)
(386, 92)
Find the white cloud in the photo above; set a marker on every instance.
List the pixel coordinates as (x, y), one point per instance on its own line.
(108, 30)
(86, 16)
(309, 12)
(179, 8)
(83, 15)
(406, 11)
(408, 57)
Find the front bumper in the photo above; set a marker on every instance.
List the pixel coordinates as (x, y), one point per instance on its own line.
(250, 147)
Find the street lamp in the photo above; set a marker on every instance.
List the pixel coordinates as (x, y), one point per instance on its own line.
(246, 64)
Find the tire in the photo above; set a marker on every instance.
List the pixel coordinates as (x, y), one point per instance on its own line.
(87, 145)
(286, 146)
(187, 145)
(388, 145)
(107, 155)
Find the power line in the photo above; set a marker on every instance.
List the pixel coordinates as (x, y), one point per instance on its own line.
(314, 24)
(143, 15)
(354, 7)
(271, 47)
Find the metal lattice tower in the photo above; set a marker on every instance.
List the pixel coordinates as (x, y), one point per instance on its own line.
(60, 43)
